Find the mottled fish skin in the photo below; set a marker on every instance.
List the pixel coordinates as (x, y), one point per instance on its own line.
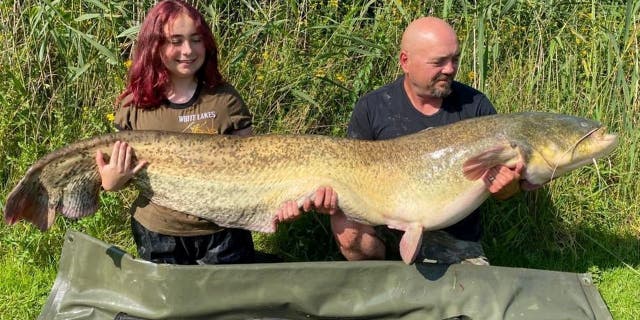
(423, 181)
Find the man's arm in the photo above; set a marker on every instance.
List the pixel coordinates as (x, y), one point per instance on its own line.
(358, 241)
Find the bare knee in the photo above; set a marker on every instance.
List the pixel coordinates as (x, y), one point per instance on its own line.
(356, 241)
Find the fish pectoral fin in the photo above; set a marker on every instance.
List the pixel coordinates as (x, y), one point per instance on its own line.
(410, 243)
(476, 167)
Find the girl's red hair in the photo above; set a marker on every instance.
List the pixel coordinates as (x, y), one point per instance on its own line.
(148, 79)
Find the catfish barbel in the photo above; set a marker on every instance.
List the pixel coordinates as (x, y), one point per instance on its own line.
(424, 181)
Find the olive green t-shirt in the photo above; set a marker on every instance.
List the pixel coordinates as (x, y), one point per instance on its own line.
(220, 110)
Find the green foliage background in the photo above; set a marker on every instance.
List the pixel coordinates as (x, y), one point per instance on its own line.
(300, 66)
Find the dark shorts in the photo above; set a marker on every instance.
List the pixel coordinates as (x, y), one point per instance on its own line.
(223, 247)
(437, 247)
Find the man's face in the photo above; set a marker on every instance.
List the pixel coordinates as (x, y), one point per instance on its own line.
(431, 66)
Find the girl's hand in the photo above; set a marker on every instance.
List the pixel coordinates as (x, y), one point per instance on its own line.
(118, 171)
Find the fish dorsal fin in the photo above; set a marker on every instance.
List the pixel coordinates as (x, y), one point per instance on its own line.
(506, 154)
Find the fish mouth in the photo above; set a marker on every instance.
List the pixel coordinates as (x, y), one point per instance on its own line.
(599, 141)
(608, 140)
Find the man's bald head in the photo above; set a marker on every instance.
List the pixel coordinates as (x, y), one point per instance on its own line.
(425, 32)
(429, 54)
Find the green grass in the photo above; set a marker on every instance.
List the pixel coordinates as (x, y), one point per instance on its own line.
(300, 66)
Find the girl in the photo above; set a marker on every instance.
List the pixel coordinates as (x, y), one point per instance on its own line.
(174, 85)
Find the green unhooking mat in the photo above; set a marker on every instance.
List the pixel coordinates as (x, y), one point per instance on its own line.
(99, 281)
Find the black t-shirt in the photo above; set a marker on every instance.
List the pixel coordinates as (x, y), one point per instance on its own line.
(387, 113)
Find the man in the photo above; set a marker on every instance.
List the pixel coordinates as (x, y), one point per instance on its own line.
(425, 96)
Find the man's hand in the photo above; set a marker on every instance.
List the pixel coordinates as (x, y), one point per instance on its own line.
(503, 182)
(325, 200)
(118, 171)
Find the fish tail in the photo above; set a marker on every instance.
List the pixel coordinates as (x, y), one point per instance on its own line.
(47, 189)
(29, 201)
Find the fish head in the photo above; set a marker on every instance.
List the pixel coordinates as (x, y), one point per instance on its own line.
(561, 143)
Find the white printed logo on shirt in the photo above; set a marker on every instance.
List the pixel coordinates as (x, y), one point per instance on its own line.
(197, 117)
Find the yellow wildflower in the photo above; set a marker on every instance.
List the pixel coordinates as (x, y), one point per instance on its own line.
(319, 73)
(128, 63)
(340, 77)
(471, 75)
(111, 117)
(333, 3)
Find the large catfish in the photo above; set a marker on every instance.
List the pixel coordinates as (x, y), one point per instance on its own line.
(424, 181)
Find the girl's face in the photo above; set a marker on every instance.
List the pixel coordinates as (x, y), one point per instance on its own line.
(184, 53)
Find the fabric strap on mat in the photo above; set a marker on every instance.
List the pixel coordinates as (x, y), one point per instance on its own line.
(100, 281)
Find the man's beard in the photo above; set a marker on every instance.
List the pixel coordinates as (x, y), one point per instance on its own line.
(439, 91)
